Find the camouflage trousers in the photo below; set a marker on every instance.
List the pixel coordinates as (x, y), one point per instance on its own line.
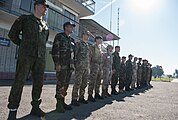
(139, 78)
(63, 79)
(107, 74)
(80, 83)
(25, 65)
(114, 80)
(134, 79)
(94, 79)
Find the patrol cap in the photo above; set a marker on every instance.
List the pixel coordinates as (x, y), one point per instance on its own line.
(98, 37)
(43, 2)
(123, 57)
(144, 60)
(109, 46)
(140, 58)
(130, 55)
(68, 23)
(86, 33)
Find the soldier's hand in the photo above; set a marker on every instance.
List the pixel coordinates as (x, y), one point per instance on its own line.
(58, 68)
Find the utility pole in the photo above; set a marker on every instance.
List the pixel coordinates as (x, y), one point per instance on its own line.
(118, 26)
(111, 19)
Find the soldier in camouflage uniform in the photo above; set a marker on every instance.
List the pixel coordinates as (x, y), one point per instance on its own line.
(134, 73)
(95, 70)
(82, 70)
(107, 70)
(63, 56)
(31, 57)
(139, 72)
(129, 71)
(115, 67)
(144, 74)
(122, 75)
(149, 73)
(150, 76)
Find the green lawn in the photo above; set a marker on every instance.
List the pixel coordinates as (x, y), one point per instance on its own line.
(162, 79)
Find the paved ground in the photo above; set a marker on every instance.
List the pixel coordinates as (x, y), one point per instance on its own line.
(174, 80)
(157, 103)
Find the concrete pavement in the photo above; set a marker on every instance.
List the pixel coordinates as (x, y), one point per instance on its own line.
(157, 103)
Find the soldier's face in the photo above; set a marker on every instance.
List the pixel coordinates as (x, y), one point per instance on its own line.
(117, 49)
(110, 49)
(41, 9)
(86, 37)
(69, 28)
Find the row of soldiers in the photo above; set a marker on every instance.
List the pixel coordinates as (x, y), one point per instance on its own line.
(86, 60)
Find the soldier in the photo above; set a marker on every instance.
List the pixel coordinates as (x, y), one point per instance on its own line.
(107, 70)
(139, 72)
(62, 54)
(95, 70)
(82, 70)
(134, 73)
(129, 71)
(144, 74)
(150, 75)
(31, 57)
(122, 75)
(115, 67)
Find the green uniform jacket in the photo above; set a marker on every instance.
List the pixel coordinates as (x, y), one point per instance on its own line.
(34, 35)
(116, 61)
(63, 49)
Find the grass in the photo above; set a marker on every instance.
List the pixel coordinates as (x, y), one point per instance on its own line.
(164, 79)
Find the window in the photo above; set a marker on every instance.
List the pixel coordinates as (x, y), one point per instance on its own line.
(26, 5)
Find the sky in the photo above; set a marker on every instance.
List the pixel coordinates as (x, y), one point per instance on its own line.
(147, 28)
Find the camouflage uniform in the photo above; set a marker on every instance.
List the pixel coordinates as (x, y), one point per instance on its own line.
(139, 73)
(122, 76)
(95, 69)
(107, 71)
(134, 74)
(129, 71)
(82, 70)
(62, 54)
(144, 75)
(31, 57)
(116, 67)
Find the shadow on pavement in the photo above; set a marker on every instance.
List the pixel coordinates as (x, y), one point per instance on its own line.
(85, 110)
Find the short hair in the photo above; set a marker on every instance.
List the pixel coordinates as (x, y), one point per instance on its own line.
(117, 47)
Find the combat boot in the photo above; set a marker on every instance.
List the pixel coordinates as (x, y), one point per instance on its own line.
(12, 115)
(37, 112)
(82, 100)
(65, 106)
(97, 96)
(91, 99)
(59, 106)
(75, 103)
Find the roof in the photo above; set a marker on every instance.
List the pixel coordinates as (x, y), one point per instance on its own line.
(96, 29)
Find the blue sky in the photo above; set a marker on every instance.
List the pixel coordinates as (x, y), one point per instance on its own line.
(148, 29)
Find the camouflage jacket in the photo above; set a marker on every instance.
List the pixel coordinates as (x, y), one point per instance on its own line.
(63, 49)
(144, 71)
(107, 60)
(116, 61)
(129, 67)
(82, 54)
(139, 68)
(122, 71)
(34, 33)
(95, 55)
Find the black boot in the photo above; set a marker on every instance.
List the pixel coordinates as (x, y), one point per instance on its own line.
(91, 99)
(12, 115)
(36, 110)
(65, 106)
(75, 103)
(97, 96)
(82, 100)
(59, 106)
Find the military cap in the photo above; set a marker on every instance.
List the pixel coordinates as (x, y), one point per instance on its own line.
(43, 2)
(123, 57)
(140, 58)
(68, 23)
(144, 60)
(130, 55)
(109, 46)
(86, 33)
(98, 37)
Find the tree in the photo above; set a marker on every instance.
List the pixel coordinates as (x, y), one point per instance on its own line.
(176, 73)
(157, 71)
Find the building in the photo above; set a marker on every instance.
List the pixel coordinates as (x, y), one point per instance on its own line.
(59, 12)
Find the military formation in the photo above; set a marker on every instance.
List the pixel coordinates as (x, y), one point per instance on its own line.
(91, 66)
